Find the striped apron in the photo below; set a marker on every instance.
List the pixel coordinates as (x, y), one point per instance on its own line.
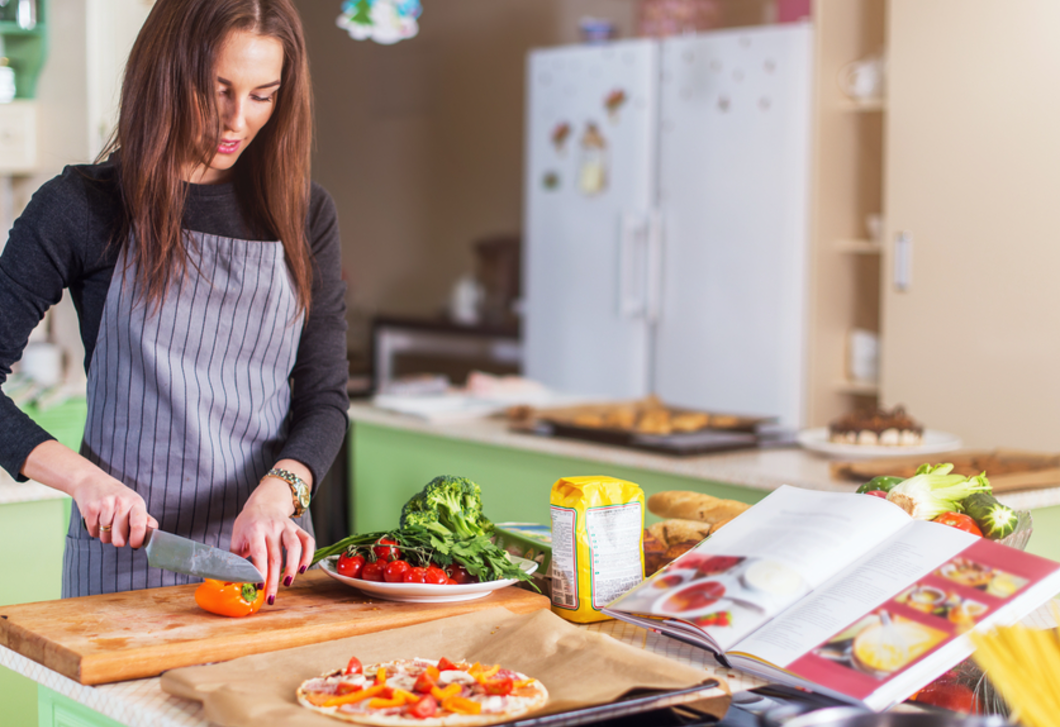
(188, 402)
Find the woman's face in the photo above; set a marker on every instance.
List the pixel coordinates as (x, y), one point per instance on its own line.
(248, 77)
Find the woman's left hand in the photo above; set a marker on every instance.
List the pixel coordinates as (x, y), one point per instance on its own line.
(264, 529)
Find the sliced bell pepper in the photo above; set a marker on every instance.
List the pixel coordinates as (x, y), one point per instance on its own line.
(460, 705)
(449, 691)
(355, 697)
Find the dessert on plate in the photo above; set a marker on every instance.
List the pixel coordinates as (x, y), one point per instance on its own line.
(878, 427)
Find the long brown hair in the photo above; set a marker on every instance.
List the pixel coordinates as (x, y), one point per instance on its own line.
(169, 122)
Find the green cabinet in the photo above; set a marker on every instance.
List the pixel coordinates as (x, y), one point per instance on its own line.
(32, 535)
(389, 465)
(24, 47)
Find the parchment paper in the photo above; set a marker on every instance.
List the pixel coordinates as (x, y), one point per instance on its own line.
(578, 667)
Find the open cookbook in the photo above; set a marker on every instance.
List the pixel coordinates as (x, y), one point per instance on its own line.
(843, 594)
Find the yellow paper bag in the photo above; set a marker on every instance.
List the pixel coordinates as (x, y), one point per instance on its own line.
(597, 544)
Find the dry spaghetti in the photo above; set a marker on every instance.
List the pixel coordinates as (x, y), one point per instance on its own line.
(1024, 664)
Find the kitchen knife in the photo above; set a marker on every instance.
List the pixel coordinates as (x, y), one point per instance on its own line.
(174, 553)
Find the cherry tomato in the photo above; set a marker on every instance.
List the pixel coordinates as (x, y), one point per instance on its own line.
(424, 683)
(354, 666)
(446, 665)
(395, 571)
(960, 521)
(373, 571)
(386, 549)
(424, 708)
(459, 574)
(436, 576)
(350, 567)
(876, 493)
(451, 582)
(499, 687)
(415, 575)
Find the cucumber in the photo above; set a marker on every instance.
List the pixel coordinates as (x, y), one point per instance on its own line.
(880, 483)
(994, 519)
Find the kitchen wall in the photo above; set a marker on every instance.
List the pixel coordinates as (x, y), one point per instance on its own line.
(420, 143)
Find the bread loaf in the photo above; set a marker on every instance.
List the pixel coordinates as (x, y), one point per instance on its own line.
(683, 505)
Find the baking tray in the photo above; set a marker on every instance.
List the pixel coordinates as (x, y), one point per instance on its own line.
(636, 703)
(708, 441)
(718, 421)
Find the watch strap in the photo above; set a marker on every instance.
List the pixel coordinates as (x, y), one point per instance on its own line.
(299, 488)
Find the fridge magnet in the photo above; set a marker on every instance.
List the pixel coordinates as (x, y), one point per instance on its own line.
(560, 134)
(550, 181)
(613, 102)
(384, 21)
(592, 174)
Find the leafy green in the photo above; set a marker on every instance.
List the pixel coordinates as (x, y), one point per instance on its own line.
(448, 505)
(884, 484)
(933, 491)
(442, 524)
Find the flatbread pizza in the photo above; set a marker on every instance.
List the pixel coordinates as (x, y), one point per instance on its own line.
(423, 692)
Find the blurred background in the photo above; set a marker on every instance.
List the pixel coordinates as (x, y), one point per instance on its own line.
(912, 261)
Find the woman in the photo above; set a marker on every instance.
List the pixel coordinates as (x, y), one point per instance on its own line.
(204, 266)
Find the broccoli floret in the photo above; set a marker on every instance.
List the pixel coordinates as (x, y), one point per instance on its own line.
(454, 503)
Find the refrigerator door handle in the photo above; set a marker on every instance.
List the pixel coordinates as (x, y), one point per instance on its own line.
(655, 266)
(631, 302)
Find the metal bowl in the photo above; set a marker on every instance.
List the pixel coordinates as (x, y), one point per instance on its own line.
(857, 717)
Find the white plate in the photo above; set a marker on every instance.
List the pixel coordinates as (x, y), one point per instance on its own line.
(424, 592)
(932, 442)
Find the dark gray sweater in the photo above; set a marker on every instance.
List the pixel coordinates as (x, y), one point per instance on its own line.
(64, 240)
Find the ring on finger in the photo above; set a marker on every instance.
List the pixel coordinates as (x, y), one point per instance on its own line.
(105, 528)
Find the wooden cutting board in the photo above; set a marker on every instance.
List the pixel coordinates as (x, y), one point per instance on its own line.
(137, 634)
(1009, 470)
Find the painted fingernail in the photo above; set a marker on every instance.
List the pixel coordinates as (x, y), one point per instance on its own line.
(261, 586)
(288, 580)
(272, 600)
(302, 569)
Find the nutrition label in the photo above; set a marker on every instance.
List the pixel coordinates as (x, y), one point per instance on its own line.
(564, 558)
(614, 534)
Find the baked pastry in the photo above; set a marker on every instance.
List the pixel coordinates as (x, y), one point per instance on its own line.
(877, 427)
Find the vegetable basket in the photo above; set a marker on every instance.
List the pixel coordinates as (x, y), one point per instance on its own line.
(1022, 534)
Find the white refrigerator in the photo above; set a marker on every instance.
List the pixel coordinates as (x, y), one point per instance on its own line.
(666, 219)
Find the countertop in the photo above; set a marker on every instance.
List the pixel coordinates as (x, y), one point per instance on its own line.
(142, 703)
(765, 469)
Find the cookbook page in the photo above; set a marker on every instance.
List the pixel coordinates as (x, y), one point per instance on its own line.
(763, 561)
(886, 625)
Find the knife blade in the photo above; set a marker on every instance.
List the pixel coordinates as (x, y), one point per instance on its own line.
(181, 555)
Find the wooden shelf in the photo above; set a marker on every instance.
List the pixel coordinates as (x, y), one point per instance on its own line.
(869, 105)
(861, 388)
(859, 247)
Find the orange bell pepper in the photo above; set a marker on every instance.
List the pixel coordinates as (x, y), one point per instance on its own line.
(229, 599)
(355, 697)
(449, 691)
(460, 705)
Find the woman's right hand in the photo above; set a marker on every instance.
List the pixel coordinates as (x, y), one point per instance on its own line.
(112, 512)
